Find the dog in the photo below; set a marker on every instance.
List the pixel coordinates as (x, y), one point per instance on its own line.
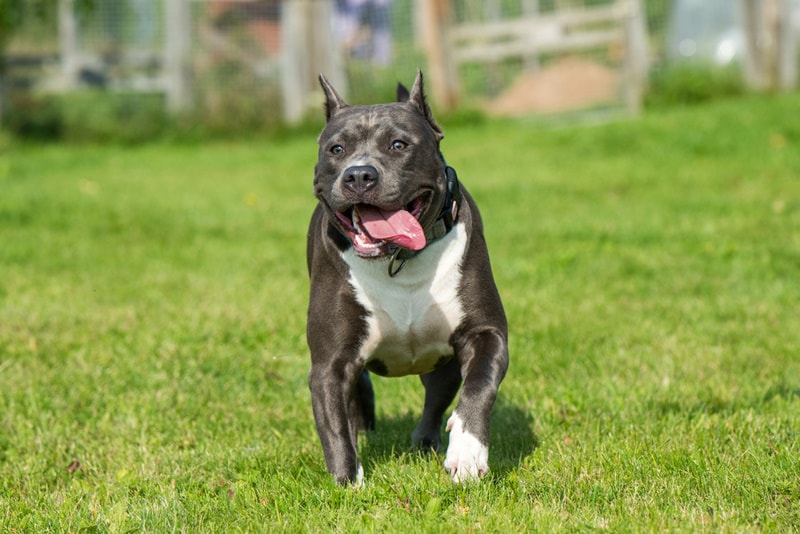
(400, 283)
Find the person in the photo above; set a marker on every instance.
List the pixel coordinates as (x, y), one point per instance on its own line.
(363, 28)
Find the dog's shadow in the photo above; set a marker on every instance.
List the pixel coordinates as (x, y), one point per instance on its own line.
(512, 438)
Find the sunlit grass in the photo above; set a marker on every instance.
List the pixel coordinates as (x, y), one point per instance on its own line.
(153, 362)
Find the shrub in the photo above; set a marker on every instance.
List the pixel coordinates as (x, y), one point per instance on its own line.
(87, 116)
(33, 117)
(691, 83)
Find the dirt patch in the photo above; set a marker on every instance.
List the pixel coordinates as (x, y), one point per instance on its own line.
(563, 85)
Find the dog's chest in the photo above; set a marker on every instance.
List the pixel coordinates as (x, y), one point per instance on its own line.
(410, 317)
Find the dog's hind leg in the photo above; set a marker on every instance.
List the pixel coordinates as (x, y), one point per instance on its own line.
(441, 387)
(366, 401)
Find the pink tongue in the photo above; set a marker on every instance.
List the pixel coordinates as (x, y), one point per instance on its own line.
(398, 227)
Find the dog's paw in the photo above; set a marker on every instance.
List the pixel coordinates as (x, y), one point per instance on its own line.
(426, 439)
(467, 458)
(359, 482)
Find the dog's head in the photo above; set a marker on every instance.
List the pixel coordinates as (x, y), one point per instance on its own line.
(380, 174)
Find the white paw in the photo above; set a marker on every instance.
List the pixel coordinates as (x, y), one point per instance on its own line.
(359, 482)
(467, 458)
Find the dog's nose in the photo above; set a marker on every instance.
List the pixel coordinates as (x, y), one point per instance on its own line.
(360, 178)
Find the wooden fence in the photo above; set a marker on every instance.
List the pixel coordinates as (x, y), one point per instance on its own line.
(307, 47)
(618, 26)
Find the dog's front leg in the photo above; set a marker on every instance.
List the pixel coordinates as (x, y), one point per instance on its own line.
(484, 359)
(332, 389)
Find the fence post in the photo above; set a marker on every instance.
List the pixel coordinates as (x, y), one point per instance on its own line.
(68, 42)
(308, 49)
(771, 50)
(294, 55)
(530, 9)
(326, 55)
(436, 17)
(177, 49)
(787, 47)
(636, 56)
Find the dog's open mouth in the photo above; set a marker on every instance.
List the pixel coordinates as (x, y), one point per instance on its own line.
(376, 232)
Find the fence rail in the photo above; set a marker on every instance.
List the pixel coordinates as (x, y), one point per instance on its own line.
(617, 26)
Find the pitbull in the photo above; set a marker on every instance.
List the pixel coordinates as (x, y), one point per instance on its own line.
(400, 283)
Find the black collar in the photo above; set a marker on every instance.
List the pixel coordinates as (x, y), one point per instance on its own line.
(441, 226)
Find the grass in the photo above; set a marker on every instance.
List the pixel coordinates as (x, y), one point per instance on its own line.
(153, 362)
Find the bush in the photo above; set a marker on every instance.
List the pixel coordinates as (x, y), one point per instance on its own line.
(87, 116)
(116, 117)
(32, 117)
(691, 83)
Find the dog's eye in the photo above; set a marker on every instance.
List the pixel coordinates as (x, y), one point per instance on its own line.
(336, 150)
(398, 145)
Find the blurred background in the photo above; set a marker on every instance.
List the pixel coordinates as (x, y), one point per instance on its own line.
(134, 70)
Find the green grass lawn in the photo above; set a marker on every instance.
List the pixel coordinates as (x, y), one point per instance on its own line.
(153, 360)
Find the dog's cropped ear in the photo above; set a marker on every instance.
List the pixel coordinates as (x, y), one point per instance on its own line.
(417, 97)
(402, 93)
(333, 102)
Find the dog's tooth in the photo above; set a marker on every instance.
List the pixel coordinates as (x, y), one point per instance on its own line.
(357, 221)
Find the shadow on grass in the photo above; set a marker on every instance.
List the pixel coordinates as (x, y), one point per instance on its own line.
(511, 438)
(709, 403)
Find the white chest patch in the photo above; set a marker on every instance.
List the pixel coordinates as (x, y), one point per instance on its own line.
(410, 317)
